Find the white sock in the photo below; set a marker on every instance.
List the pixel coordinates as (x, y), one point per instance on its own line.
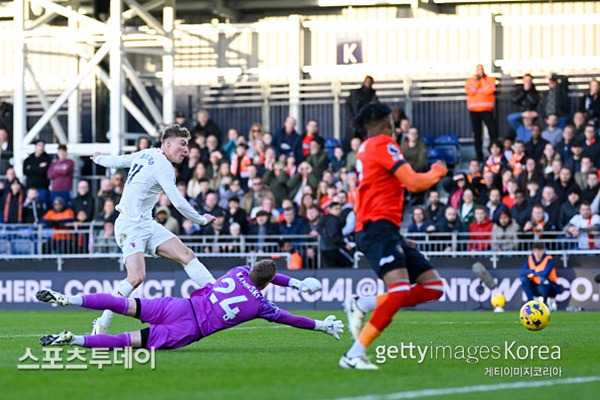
(198, 273)
(356, 350)
(366, 304)
(79, 341)
(75, 300)
(123, 289)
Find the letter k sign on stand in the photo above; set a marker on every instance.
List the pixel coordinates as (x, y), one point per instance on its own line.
(349, 51)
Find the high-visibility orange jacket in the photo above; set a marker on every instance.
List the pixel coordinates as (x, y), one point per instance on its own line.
(480, 93)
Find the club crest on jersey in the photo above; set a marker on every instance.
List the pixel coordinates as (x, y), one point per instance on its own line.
(395, 152)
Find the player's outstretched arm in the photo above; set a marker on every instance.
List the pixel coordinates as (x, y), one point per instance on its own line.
(123, 161)
(166, 179)
(329, 325)
(420, 181)
(311, 285)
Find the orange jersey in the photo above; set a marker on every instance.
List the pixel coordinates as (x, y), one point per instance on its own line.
(379, 194)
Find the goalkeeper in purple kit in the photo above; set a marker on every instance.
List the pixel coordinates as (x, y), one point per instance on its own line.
(177, 322)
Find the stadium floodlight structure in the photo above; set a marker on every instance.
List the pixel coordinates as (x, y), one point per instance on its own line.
(88, 42)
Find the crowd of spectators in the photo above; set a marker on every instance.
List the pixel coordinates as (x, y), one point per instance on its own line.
(537, 179)
(541, 179)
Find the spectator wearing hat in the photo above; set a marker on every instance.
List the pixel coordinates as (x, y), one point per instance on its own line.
(221, 227)
(335, 252)
(60, 175)
(57, 218)
(163, 216)
(505, 233)
(317, 156)
(573, 162)
(262, 228)
(12, 204)
(459, 183)
(181, 120)
(556, 99)
(35, 168)
(570, 207)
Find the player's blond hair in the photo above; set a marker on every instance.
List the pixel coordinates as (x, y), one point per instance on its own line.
(175, 131)
(262, 272)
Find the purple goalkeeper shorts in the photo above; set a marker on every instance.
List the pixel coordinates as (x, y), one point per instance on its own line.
(172, 322)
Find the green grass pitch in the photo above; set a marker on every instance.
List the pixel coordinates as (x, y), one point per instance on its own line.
(259, 361)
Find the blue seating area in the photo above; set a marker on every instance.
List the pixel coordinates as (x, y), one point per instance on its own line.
(444, 148)
(330, 145)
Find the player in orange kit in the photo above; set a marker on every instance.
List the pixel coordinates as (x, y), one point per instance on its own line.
(383, 174)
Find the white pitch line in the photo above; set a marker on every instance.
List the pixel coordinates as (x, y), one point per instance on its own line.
(417, 394)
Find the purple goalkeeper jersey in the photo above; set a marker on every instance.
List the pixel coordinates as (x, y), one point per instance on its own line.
(231, 300)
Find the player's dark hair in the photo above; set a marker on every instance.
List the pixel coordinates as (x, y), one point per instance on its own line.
(262, 272)
(175, 131)
(372, 113)
(538, 246)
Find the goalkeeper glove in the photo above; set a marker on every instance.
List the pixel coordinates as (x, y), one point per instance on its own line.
(310, 285)
(331, 326)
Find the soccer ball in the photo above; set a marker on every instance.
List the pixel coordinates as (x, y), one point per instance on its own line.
(498, 301)
(535, 315)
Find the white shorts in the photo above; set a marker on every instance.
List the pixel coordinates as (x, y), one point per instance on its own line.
(142, 236)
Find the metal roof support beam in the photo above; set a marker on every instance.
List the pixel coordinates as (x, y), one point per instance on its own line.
(117, 79)
(56, 126)
(168, 61)
(94, 61)
(20, 102)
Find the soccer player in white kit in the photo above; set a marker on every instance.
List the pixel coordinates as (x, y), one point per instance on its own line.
(150, 172)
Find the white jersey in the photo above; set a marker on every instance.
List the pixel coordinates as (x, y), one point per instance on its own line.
(587, 240)
(150, 171)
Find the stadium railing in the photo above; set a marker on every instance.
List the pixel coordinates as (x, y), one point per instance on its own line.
(494, 247)
(20, 241)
